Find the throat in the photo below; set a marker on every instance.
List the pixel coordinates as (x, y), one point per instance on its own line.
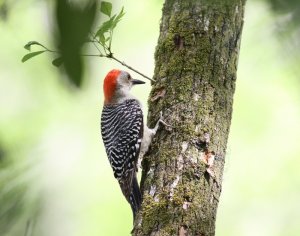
(119, 97)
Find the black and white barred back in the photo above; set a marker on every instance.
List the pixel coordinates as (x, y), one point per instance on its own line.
(122, 132)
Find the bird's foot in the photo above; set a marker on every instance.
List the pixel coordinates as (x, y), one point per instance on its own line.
(161, 120)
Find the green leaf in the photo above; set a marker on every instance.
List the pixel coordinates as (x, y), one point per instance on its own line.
(118, 18)
(57, 62)
(106, 8)
(106, 26)
(32, 54)
(102, 39)
(30, 43)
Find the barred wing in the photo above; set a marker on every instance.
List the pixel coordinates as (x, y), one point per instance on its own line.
(122, 130)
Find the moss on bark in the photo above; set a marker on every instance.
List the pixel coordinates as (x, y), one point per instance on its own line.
(196, 61)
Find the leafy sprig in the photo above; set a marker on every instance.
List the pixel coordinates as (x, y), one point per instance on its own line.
(101, 39)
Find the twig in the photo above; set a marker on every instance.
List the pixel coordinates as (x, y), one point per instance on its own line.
(129, 67)
(107, 54)
(92, 55)
(97, 47)
(83, 55)
(94, 43)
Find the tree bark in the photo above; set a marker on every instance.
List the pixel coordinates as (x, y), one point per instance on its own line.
(196, 62)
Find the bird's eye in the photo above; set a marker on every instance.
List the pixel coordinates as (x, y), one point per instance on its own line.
(128, 77)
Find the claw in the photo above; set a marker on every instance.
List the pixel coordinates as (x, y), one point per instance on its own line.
(148, 135)
(154, 130)
(162, 121)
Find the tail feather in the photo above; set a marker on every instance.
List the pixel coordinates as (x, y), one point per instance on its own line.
(135, 197)
(131, 190)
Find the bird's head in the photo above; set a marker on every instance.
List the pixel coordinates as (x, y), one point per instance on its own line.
(117, 85)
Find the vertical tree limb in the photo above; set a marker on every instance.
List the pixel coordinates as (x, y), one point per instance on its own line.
(195, 72)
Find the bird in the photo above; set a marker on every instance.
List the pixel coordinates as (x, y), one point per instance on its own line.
(124, 134)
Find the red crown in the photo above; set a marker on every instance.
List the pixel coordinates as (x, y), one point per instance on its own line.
(109, 85)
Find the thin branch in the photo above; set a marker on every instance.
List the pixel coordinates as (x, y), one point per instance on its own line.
(53, 51)
(129, 67)
(47, 49)
(94, 43)
(110, 40)
(103, 46)
(92, 55)
(83, 55)
(97, 47)
(108, 54)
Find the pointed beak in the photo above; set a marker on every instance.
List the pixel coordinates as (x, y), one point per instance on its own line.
(136, 81)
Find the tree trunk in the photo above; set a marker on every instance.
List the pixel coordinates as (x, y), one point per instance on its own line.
(196, 62)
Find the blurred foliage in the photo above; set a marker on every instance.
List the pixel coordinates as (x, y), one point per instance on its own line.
(105, 31)
(53, 167)
(19, 207)
(2, 154)
(287, 19)
(290, 7)
(3, 11)
(74, 23)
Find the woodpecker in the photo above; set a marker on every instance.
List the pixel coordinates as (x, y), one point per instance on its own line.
(124, 134)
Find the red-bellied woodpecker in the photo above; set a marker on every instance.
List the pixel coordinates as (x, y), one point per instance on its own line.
(124, 134)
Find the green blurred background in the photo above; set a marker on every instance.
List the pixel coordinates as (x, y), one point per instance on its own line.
(55, 178)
